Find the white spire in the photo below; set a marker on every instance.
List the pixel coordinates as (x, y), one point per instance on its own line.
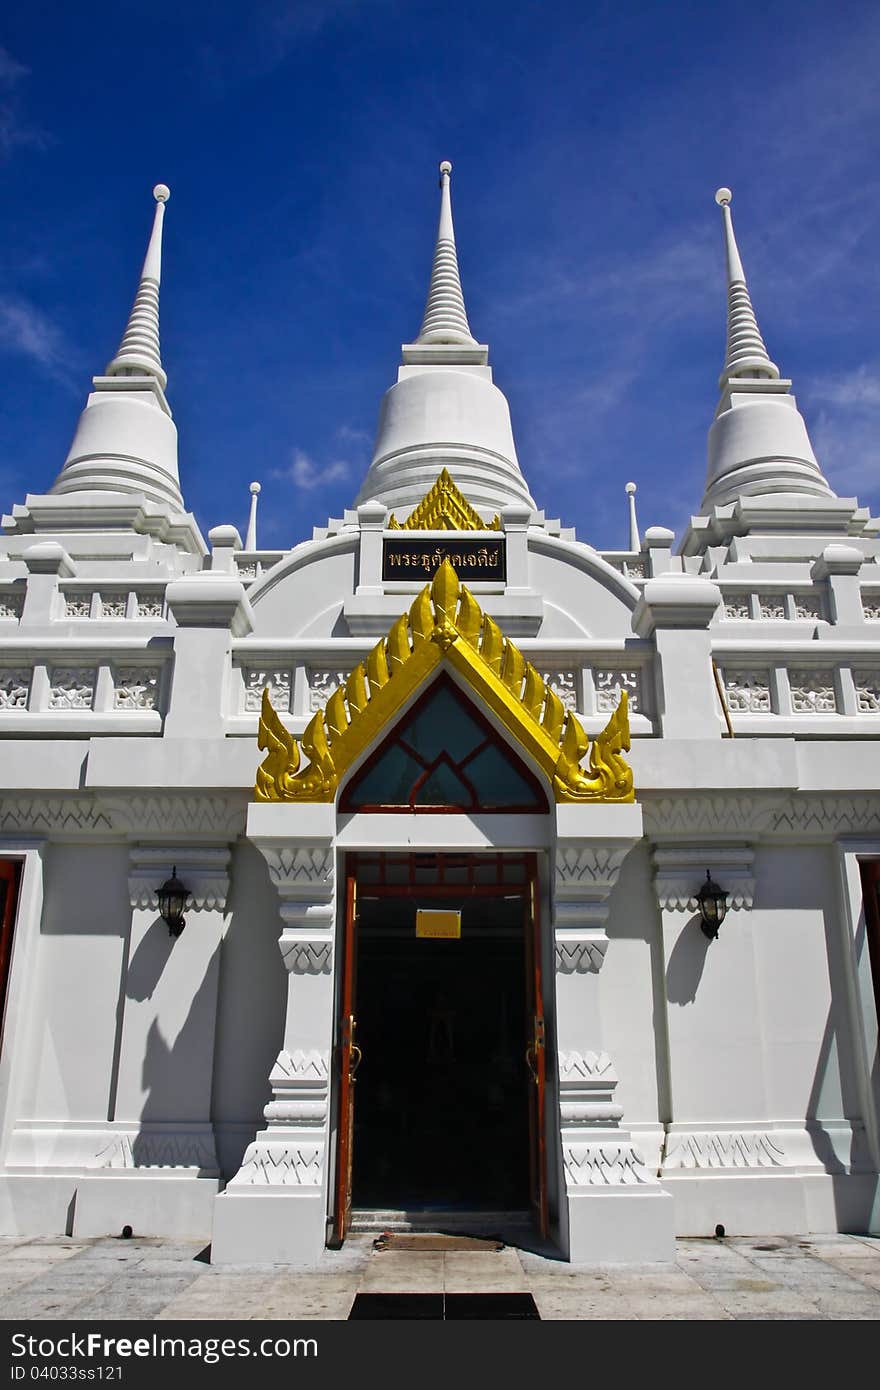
(139, 351)
(250, 540)
(746, 354)
(635, 542)
(445, 318)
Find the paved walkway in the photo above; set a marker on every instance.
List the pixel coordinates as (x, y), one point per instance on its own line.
(815, 1277)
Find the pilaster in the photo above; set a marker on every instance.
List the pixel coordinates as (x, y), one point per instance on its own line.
(676, 611)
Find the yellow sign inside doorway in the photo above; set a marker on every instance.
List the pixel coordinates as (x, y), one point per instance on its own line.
(436, 922)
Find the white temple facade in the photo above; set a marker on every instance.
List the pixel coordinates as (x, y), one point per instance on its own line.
(470, 774)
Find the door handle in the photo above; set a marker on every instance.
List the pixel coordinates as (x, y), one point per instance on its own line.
(355, 1056)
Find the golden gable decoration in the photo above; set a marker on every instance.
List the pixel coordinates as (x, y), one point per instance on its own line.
(444, 508)
(445, 623)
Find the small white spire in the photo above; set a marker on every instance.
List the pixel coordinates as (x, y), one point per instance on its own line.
(445, 318)
(635, 540)
(746, 354)
(250, 540)
(139, 353)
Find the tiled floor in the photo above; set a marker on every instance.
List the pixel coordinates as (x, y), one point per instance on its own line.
(814, 1277)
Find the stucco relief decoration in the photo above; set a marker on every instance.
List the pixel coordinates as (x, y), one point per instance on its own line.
(747, 692)
(322, 684)
(444, 624)
(156, 1151)
(277, 682)
(772, 605)
(444, 508)
(871, 607)
(72, 687)
(812, 692)
(736, 608)
(564, 685)
(867, 685)
(11, 605)
(723, 1150)
(808, 606)
(114, 605)
(601, 1165)
(136, 687)
(635, 569)
(281, 1165)
(610, 686)
(150, 605)
(15, 684)
(78, 605)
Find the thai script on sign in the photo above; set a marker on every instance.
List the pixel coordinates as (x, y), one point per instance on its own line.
(410, 559)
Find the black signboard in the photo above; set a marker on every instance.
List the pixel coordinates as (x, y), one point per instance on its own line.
(414, 559)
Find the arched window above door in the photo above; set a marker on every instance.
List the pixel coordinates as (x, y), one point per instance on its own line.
(444, 756)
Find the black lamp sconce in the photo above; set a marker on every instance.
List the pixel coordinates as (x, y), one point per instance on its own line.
(172, 903)
(712, 902)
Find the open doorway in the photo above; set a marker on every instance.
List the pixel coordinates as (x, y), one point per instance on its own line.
(441, 1012)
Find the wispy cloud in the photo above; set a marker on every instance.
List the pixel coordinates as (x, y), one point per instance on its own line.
(860, 388)
(275, 31)
(27, 331)
(307, 475)
(15, 130)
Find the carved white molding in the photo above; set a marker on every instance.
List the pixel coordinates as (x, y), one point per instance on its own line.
(15, 686)
(563, 683)
(150, 605)
(610, 682)
(812, 692)
(300, 866)
(737, 815)
(604, 1164)
(584, 874)
(136, 687)
(210, 814)
(587, 1082)
(585, 1066)
(278, 680)
(304, 875)
(157, 1149)
(280, 1165)
(11, 605)
(747, 691)
(723, 1149)
(72, 687)
(867, 683)
(300, 1089)
(307, 955)
(828, 816)
(322, 684)
(680, 872)
(203, 869)
(58, 814)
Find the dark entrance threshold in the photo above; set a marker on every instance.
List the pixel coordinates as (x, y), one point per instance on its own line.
(444, 1307)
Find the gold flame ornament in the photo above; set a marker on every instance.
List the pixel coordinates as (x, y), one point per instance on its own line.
(444, 624)
(444, 508)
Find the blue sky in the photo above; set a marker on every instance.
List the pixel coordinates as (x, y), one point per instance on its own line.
(301, 138)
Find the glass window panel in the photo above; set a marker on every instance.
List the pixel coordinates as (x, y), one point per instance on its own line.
(444, 787)
(443, 724)
(498, 780)
(389, 781)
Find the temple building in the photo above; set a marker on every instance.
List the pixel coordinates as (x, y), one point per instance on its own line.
(572, 855)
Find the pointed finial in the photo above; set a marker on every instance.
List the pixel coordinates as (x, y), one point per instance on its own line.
(746, 354)
(139, 352)
(635, 542)
(445, 318)
(250, 540)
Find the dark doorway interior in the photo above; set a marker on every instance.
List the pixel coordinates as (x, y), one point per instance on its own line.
(441, 1109)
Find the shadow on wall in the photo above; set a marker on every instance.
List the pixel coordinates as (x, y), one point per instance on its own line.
(687, 961)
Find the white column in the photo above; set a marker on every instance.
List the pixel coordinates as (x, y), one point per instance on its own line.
(275, 1208)
(616, 1208)
(676, 611)
(209, 609)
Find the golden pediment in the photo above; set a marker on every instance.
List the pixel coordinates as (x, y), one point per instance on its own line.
(444, 508)
(444, 624)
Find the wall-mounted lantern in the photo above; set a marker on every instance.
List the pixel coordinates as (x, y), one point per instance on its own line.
(172, 903)
(712, 902)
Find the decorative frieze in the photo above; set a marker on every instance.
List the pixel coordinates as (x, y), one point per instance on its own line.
(247, 569)
(11, 605)
(72, 687)
(584, 875)
(136, 687)
(113, 605)
(747, 691)
(609, 684)
(635, 569)
(281, 1165)
(322, 684)
(212, 815)
(203, 868)
(157, 1150)
(771, 606)
(743, 815)
(723, 1149)
(736, 608)
(257, 678)
(680, 872)
(15, 685)
(149, 605)
(867, 683)
(812, 692)
(564, 686)
(808, 606)
(77, 605)
(871, 607)
(610, 1164)
(59, 815)
(826, 817)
